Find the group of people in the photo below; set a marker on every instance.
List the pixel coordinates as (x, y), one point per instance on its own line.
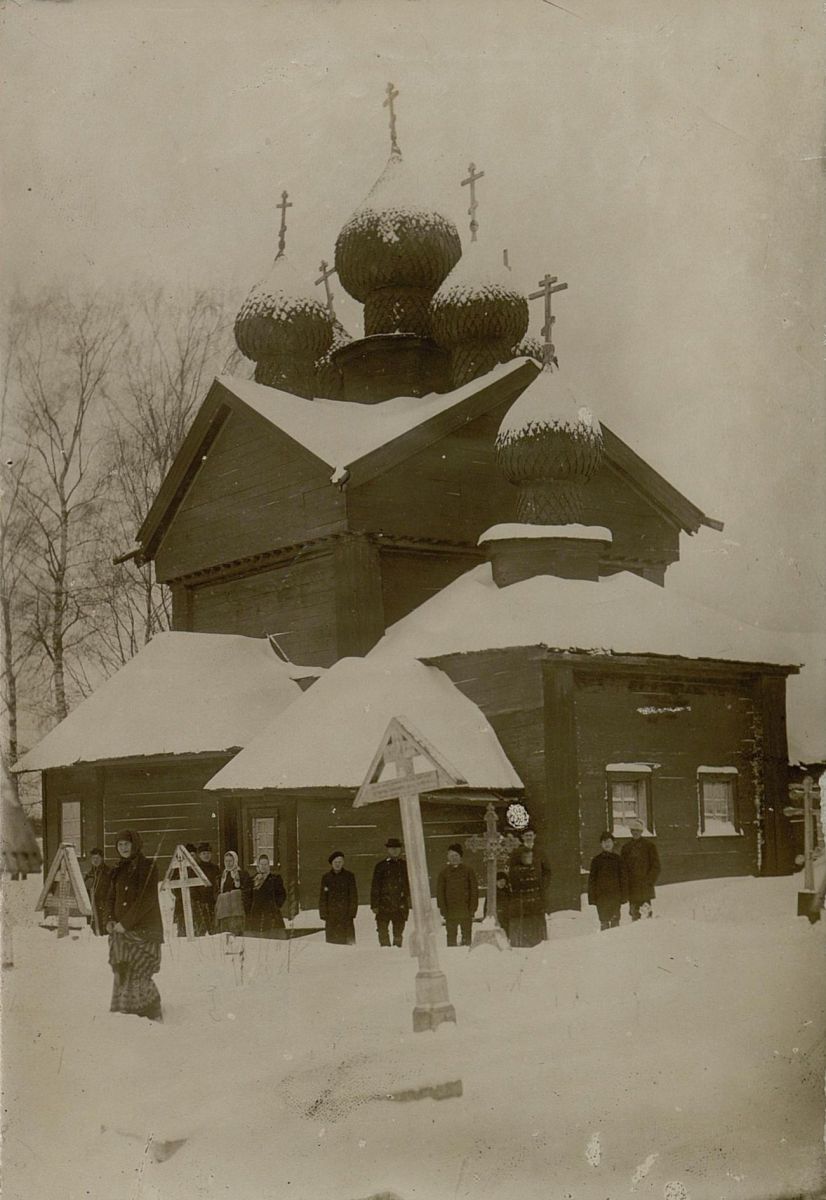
(624, 878)
(522, 896)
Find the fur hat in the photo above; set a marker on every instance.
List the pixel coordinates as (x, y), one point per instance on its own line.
(335, 854)
(393, 843)
(606, 836)
(96, 850)
(202, 846)
(457, 848)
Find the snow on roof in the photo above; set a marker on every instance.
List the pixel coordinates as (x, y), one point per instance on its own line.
(183, 693)
(329, 737)
(621, 614)
(498, 533)
(340, 433)
(546, 401)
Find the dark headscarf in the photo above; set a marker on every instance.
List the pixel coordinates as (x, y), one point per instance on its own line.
(128, 835)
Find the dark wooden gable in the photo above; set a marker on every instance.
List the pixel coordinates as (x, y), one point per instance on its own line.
(248, 491)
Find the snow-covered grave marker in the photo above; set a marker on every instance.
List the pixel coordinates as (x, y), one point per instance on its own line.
(72, 899)
(182, 861)
(493, 846)
(398, 751)
(805, 899)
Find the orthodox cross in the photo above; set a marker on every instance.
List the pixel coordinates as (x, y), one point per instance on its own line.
(392, 93)
(282, 233)
(326, 272)
(494, 846)
(189, 875)
(72, 898)
(473, 175)
(392, 775)
(547, 287)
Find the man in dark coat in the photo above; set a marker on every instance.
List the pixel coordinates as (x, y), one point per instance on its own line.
(97, 880)
(642, 867)
(457, 894)
(338, 902)
(390, 894)
(203, 897)
(607, 883)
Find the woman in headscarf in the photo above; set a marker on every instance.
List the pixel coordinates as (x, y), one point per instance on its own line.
(268, 894)
(135, 930)
(233, 901)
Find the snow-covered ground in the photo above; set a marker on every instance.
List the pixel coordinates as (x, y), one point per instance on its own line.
(677, 1058)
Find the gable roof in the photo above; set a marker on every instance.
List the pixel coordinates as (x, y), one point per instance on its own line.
(366, 440)
(184, 693)
(329, 737)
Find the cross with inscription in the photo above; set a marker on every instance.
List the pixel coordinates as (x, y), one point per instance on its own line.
(473, 175)
(494, 846)
(392, 93)
(547, 287)
(326, 272)
(282, 233)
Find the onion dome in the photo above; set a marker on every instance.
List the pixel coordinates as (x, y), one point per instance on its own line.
(549, 447)
(393, 253)
(329, 383)
(478, 314)
(284, 329)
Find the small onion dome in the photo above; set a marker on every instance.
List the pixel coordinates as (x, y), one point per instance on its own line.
(393, 253)
(328, 376)
(478, 314)
(284, 329)
(549, 447)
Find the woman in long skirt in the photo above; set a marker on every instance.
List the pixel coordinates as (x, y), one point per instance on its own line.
(135, 930)
(268, 894)
(233, 900)
(527, 905)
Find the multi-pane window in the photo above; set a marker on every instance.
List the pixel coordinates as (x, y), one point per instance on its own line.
(263, 838)
(71, 825)
(717, 791)
(629, 796)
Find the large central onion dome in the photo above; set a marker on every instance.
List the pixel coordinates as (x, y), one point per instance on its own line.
(285, 330)
(393, 253)
(478, 314)
(549, 446)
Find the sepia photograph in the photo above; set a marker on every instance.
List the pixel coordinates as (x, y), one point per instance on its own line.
(412, 493)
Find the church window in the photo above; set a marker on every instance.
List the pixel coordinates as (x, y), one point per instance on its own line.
(717, 794)
(71, 825)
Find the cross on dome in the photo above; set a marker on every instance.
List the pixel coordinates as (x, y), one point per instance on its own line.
(392, 93)
(282, 233)
(473, 175)
(326, 272)
(547, 287)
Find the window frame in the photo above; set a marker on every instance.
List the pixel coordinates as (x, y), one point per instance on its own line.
(642, 776)
(76, 800)
(730, 776)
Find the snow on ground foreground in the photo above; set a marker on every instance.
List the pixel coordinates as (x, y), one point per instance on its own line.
(680, 1058)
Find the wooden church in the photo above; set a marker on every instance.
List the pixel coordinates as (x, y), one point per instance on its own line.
(421, 522)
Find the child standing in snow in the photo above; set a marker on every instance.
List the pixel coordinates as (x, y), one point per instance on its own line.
(338, 902)
(607, 883)
(457, 894)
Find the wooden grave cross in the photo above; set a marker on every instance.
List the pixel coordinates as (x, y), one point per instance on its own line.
(398, 752)
(547, 287)
(493, 847)
(72, 898)
(183, 862)
(805, 898)
(282, 233)
(326, 272)
(392, 93)
(473, 175)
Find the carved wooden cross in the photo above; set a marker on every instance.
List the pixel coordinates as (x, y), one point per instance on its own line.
(398, 751)
(392, 93)
(493, 847)
(326, 272)
(473, 175)
(282, 233)
(547, 287)
(182, 863)
(72, 898)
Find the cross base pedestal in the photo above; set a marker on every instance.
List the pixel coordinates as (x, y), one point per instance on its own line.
(490, 935)
(433, 1006)
(431, 1016)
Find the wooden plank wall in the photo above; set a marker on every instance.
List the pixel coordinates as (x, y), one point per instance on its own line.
(256, 491)
(410, 577)
(715, 728)
(296, 599)
(83, 783)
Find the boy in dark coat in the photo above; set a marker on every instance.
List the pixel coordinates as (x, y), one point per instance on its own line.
(338, 902)
(642, 867)
(97, 880)
(607, 883)
(457, 894)
(390, 894)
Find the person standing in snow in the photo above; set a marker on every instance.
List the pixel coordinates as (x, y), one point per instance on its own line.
(457, 895)
(97, 880)
(540, 864)
(233, 900)
(268, 894)
(527, 904)
(607, 883)
(642, 869)
(390, 894)
(203, 897)
(338, 902)
(135, 930)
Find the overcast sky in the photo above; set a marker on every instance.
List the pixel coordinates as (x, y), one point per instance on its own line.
(663, 158)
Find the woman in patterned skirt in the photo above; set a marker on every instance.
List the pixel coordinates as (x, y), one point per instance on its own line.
(135, 930)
